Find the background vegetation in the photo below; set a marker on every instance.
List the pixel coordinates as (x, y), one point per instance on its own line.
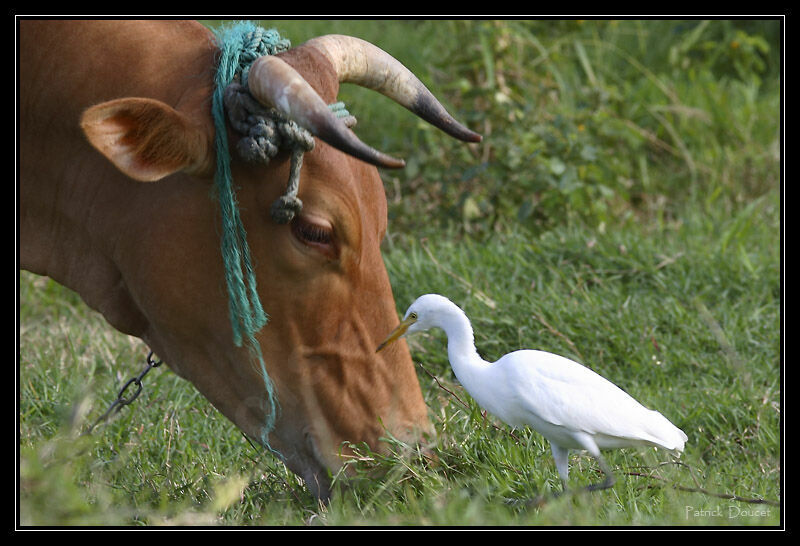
(624, 210)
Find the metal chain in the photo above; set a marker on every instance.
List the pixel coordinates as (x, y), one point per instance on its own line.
(121, 400)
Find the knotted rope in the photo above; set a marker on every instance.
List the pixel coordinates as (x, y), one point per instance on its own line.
(265, 132)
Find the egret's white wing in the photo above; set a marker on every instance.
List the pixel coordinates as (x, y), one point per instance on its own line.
(563, 393)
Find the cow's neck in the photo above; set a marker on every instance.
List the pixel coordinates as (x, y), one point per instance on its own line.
(64, 235)
(67, 191)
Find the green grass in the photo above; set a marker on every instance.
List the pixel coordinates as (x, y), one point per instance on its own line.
(624, 211)
(683, 317)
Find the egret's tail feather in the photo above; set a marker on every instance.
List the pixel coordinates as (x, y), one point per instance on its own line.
(666, 435)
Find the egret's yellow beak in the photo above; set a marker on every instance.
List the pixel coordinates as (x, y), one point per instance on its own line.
(397, 333)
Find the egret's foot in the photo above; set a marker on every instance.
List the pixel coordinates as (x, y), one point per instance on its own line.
(608, 483)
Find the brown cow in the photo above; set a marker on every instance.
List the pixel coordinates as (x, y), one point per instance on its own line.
(147, 255)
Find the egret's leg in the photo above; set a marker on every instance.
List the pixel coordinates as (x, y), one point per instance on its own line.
(610, 478)
(590, 446)
(561, 457)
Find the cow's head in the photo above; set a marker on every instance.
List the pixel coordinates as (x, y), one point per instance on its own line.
(321, 277)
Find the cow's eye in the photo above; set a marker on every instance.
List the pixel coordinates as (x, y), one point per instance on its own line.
(312, 233)
(316, 234)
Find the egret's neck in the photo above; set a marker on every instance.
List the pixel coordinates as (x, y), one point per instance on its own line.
(464, 359)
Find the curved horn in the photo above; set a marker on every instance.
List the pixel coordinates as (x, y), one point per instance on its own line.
(274, 83)
(365, 64)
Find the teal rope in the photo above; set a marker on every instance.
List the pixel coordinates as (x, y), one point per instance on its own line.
(239, 46)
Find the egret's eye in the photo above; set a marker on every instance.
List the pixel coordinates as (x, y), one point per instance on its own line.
(413, 316)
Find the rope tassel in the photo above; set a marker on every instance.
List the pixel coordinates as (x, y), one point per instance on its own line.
(287, 205)
(239, 46)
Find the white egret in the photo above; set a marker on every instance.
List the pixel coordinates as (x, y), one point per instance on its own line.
(566, 402)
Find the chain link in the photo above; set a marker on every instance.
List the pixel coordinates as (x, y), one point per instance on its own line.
(121, 400)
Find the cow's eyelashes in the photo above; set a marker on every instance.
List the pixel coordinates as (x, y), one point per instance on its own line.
(313, 234)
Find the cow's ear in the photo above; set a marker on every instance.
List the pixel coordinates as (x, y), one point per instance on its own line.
(147, 139)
